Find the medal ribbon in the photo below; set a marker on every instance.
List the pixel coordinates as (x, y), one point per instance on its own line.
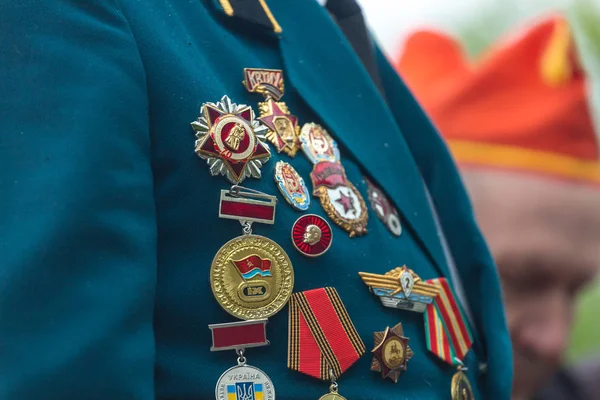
(448, 334)
(322, 337)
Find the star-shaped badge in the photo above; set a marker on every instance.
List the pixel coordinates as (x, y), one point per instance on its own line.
(231, 140)
(283, 132)
(391, 353)
(346, 201)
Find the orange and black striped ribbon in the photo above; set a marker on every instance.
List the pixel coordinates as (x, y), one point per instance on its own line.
(322, 338)
(448, 334)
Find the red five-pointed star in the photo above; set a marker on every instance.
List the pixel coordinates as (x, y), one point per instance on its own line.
(346, 201)
(275, 112)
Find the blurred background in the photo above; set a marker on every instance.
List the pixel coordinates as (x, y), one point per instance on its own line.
(478, 23)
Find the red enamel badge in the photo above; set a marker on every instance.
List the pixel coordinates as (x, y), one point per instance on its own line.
(311, 235)
(239, 335)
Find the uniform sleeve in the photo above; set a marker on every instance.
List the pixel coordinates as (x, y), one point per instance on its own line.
(473, 260)
(77, 221)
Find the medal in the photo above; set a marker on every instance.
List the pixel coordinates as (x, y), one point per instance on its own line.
(391, 353)
(401, 288)
(283, 130)
(291, 186)
(449, 337)
(231, 140)
(322, 341)
(341, 201)
(311, 235)
(384, 209)
(243, 381)
(251, 276)
(460, 387)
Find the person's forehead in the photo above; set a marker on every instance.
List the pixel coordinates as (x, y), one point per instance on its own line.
(520, 210)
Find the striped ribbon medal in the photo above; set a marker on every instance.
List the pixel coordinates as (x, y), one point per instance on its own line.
(323, 342)
(448, 336)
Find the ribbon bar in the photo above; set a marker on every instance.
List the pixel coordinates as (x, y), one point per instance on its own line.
(322, 338)
(239, 335)
(448, 334)
(256, 209)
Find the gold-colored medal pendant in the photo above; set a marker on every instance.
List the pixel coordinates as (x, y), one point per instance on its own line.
(251, 276)
(460, 387)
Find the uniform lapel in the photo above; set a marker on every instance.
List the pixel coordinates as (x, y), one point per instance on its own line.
(317, 55)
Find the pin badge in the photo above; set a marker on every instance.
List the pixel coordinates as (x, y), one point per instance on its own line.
(318, 145)
(243, 381)
(251, 276)
(401, 288)
(283, 131)
(230, 139)
(291, 185)
(340, 199)
(383, 209)
(311, 235)
(391, 353)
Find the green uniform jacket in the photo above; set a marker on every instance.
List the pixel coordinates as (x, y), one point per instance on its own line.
(109, 220)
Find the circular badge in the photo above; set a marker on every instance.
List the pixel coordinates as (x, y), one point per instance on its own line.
(393, 353)
(291, 185)
(244, 382)
(234, 138)
(311, 235)
(461, 388)
(251, 277)
(332, 396)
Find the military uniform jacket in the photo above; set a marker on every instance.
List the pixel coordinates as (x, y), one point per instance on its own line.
(109, 221)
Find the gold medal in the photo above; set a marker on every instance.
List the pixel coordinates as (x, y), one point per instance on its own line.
(460, 387)
(283, 127)
(251, 276)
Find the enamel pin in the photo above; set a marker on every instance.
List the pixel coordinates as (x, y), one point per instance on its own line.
(230, 139)
(243, 381)
(251, 276)
(283, 131)
(318, 145)
(383, 209)
(322, 341)
(292, 186)
(391, 353)
(311, 235)
(401, 288)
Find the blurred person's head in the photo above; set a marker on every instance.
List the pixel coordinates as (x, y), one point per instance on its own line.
(519, 126)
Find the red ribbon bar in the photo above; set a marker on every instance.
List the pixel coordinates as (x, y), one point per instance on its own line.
(239, 335)
(252, 210)
(322, 338)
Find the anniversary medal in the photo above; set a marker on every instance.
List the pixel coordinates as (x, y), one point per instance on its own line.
(448, 336)
(243, 381)
(383, 209)
(401, 288)
(391, 353)
(341, 201)
(251, 276)
(283, 127)
(292, 186)
(231, 140)
(322, 341)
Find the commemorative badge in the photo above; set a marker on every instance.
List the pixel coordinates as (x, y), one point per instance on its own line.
(283, 131)
(383, 209)
(251, 276)
(401, 288)
(391, 353)
(448, 336)
(340, 199)
(230, 139)
(243, 381)
(311, 235)
(291, 185)
(318, 145)
(322, 341)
